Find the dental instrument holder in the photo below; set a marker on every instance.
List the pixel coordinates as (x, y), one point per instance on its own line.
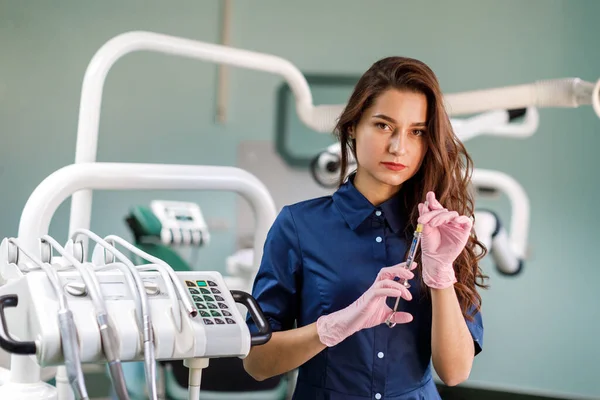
(409, 260)
(218, 331)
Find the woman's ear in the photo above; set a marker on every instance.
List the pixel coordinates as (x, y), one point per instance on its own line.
(351, 133)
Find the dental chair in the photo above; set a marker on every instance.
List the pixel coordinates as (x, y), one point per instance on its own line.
(160, 230)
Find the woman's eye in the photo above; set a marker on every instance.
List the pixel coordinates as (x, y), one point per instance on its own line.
(383, 126)
(419, 132)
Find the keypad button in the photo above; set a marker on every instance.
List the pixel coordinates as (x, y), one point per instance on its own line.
(222, 305)
(215, 313)
(226, 313)
(219, 298)
(190, 283)
(197, 298)
(212, 306)
(208, 321)
(229, 321)
(215, 290)
(194, 291)
(200, 306)
(204, 314)
(208, 298)
(219, 321)
(211, 283)
(204, 291)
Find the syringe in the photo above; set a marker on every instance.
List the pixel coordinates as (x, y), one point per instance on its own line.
(409, 260)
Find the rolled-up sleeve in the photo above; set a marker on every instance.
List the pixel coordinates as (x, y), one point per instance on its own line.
(275, 285)
(476, 328)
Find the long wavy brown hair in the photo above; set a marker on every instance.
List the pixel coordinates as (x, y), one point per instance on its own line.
(446, 169)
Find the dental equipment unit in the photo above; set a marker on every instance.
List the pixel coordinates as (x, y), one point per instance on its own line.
(66, 310)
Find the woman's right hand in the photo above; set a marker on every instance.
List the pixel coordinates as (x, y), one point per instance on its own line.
(370, 309)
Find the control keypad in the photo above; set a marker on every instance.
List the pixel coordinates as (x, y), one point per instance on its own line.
(210, 305)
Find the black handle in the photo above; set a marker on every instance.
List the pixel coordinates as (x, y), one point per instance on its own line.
(6, 342)
(264, 329)
(516, 113)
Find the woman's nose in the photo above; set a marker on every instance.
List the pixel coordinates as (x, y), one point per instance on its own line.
(398, 144)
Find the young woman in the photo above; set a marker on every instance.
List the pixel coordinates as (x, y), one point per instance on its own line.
(330, 269)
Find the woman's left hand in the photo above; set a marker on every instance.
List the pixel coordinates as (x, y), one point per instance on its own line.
(445, 234)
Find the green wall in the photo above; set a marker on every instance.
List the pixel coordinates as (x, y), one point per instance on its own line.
(541, 328)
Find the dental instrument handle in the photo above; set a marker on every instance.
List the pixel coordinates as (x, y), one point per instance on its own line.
(119, 384)
(109, 339)
(87, 274)
(149, 360)
(67, 329)
(71, 354)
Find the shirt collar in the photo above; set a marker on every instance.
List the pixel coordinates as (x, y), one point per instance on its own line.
(355, 208)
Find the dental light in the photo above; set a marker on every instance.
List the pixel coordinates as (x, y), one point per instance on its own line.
(568, 92)
(196, 316)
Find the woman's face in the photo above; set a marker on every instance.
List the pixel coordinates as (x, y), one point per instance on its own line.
(390, 142)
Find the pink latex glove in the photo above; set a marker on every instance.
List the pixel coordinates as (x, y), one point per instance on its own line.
(445, 234)
(370, 309)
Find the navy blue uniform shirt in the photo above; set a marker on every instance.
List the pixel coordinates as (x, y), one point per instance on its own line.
(320, 256)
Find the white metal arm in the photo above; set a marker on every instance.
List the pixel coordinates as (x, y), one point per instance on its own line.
(563, 93)
(519, 202)
(57, 187)
(496, 123)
